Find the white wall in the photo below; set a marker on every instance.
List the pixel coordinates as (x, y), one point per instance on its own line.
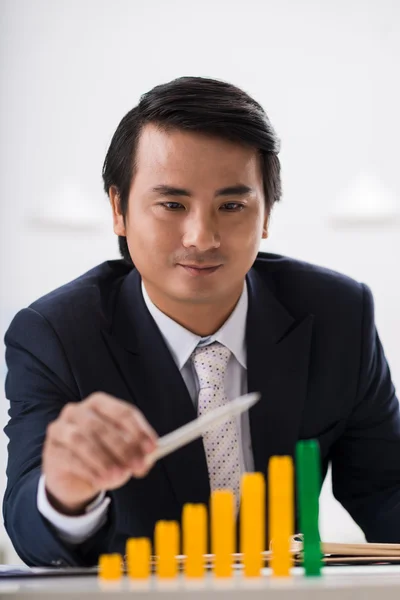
(326, 72)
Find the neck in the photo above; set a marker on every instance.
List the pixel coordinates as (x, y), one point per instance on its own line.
(203, 318)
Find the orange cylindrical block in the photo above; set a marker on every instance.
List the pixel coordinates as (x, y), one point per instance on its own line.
(223, 531)
(138, 552)
(194, 535)
(110, 567)
(252, 522)
(167, 548)
(281, 513)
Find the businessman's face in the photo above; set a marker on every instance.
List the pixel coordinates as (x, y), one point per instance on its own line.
(196, 215)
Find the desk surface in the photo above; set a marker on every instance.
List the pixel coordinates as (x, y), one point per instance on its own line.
(341, 583)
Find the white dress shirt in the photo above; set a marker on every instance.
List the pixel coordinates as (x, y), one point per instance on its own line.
(181, 344)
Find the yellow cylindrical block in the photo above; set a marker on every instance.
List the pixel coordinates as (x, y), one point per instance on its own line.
(138, 551)
(167, 548)
(110, 567)
(194, 524)
(252, 522)
(281, 513)
(223, 531)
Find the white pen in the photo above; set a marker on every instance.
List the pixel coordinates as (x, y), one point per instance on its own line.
(190, 431)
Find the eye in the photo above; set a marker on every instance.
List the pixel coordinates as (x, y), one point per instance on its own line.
(173, 206)
(233, 206)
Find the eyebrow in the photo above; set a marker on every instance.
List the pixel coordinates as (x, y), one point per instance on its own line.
(234, 190)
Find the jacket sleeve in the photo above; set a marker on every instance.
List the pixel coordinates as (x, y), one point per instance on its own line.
(366, 459)
(39, 383)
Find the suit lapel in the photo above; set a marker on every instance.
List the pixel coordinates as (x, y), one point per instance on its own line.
(278, 349)
(157, 388)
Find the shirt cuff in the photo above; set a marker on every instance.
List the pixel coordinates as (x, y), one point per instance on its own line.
(73, 529)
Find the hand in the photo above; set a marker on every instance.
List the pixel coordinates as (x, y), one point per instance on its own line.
(94, 445)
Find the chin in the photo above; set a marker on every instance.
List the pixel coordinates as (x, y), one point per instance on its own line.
(198, 294)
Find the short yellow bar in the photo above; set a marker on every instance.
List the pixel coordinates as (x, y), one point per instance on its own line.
(167, 548)
(194, 522)
(281, 513)
(252, 523)
(138, 551)
(223, 531)
(110, 567)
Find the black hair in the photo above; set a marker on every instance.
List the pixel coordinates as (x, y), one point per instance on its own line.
(195, 104)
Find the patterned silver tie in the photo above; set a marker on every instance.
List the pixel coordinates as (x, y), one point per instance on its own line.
(221, 444)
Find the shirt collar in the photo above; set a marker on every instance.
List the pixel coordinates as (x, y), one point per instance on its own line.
(181, 342)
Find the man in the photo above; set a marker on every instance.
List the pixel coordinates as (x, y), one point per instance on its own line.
(190, 318)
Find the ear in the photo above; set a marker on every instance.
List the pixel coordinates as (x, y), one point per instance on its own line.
(118, 218)
(265, 227)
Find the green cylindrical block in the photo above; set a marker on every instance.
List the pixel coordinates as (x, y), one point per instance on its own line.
(308, 476)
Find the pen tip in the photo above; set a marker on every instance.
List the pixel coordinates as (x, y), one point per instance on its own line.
(250, 399)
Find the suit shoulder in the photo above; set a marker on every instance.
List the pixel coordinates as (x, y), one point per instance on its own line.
(298, 281)
(89, 293)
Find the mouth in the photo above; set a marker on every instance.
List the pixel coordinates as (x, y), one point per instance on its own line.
(200, 271)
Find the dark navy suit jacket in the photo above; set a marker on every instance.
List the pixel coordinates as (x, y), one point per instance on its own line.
(312, 350)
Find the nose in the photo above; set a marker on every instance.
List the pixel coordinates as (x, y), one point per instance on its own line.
(201, 233)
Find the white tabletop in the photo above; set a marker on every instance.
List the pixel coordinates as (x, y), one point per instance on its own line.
(341, 583)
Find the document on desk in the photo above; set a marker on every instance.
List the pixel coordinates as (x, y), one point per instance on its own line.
(16, 571)
(334, 553)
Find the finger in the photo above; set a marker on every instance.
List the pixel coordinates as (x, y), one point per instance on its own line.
(70, 464)
(123, 415)
(124, 447)
(150, 434)
(120, 444)
(109, 451)
(140, 467)
(81, 442)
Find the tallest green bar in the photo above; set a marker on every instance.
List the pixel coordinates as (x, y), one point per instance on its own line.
(308, 474)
